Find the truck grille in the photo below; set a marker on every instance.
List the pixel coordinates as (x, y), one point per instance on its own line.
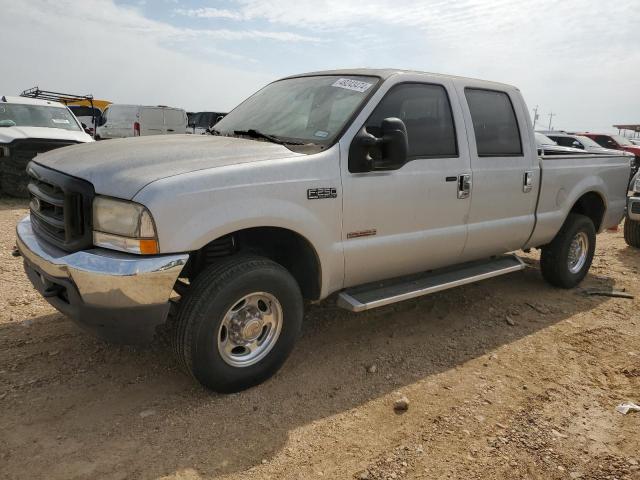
(635, 207)
(60, 207)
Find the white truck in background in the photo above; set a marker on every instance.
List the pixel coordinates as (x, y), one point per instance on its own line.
(377, 185)
(29, 127)
(122, 121)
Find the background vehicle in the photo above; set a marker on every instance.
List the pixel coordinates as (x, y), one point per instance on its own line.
(616, 142)
(632, 220)
(88, 112)
(550, 147)
(580, 142)
(199, 122)
(635, 141)
(121, 121)
(381, 185)
(29, 127)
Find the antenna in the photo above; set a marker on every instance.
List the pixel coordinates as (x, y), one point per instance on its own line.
(551, 115)
(535, 116)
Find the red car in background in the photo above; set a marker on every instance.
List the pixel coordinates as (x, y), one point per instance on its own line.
(616, 142)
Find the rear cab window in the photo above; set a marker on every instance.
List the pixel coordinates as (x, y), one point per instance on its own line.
(494, 123)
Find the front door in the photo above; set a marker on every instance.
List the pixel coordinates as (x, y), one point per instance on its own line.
(410, 219)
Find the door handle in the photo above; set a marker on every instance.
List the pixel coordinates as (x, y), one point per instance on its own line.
(170, 130)
(527, 182)
(464, 185)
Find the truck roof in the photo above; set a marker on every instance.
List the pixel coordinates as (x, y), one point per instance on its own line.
(143, 106)
(30, 101)
(386, 73)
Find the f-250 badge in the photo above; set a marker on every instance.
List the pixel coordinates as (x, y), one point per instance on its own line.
(320, 193)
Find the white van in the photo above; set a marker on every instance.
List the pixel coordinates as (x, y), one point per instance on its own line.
(120, 121)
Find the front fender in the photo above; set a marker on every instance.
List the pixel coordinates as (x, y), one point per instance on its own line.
(194, 209)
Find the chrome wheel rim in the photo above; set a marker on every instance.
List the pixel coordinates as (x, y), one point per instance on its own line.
(250, 329)
(578, 251)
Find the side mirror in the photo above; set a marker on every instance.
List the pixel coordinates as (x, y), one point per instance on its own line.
(577, 145)
(387, 152)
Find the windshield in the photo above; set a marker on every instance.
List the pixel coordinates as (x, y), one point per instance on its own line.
(307, 110)
(14, 114)
(82, 111)
(203, 119)
(622, 140)
(544, 140)
(587, 142)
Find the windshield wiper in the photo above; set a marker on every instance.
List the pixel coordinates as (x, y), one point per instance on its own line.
(253, 133)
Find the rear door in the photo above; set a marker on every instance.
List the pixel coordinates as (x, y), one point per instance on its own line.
(411, 219)
(119, 120)
(505, 169)
(174, 121)
(151, 121)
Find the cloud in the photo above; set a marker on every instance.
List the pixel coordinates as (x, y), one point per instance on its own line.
(577, 57)
(209, 13)
(115, 53)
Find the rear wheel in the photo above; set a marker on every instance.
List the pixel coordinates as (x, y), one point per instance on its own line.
(566, 260)
(238, 323)
(632, 233)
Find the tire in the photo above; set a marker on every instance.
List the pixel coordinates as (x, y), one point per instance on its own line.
(555, 258)
(203, 325)
(632, 233)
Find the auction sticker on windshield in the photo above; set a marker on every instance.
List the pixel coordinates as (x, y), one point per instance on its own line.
(350, 84)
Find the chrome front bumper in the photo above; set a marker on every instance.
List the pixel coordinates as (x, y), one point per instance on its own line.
(633, 208)
(110, 292)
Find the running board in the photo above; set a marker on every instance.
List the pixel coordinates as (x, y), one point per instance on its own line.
(377, 294)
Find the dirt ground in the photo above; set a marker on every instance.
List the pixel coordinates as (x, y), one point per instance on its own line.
(507, 378)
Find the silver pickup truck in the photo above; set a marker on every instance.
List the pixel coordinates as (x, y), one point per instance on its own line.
(380, 185)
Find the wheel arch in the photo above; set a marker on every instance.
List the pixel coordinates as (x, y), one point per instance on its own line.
(292, 250)
(592, 205)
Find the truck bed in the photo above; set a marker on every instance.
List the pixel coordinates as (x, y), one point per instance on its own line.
(565, 179)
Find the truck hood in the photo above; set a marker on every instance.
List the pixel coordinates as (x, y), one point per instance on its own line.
(120, 168)
(604, 151)
(561, 149)
(9, 134)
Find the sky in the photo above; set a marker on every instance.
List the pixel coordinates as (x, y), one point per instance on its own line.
(577, 59)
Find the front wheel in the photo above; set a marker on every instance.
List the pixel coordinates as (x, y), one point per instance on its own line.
(238, 323)
(632, 232)
(567, 259)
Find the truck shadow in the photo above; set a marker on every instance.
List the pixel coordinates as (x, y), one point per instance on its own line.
(76, 407)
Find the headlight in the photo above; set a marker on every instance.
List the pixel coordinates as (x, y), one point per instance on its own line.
(123, 225)
(636, 185)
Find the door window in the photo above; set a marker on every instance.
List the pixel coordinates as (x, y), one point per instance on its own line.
(494, 123)
(426, 112)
